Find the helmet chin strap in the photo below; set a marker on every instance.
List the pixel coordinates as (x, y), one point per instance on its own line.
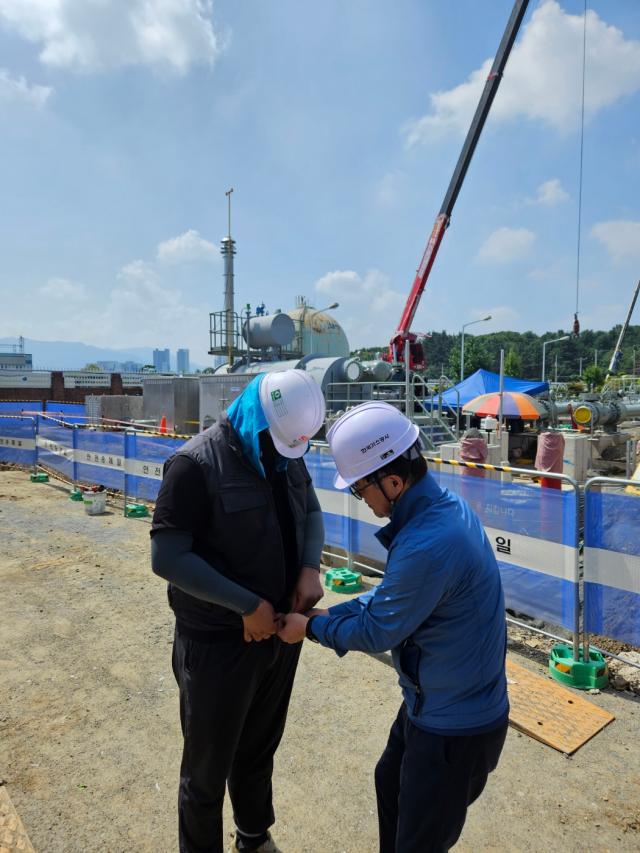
(390, 501)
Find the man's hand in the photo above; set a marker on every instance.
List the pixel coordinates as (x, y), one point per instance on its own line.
(260, 624)
(308, 591)
(292, 628)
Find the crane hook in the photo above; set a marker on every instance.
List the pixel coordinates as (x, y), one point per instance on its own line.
(576, 326)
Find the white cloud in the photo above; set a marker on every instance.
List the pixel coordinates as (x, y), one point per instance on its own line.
(604, 315)
(63, 289)
(143, 308)
(390, 188)
(543, 76)
(502, 317)
(89, 36)
(620, 238)
(187, 247)
(369, 306)
(17, 89)
(506, 245)
(137, 271)
(372, 293)
(550, 192)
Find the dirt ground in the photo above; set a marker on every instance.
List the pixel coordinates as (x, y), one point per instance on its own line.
(89, 734)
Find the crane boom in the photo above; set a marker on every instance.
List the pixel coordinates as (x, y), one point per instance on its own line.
(403, 333)
(615, 358)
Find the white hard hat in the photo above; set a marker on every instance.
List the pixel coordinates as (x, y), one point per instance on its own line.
(367, 438)
(294, 408)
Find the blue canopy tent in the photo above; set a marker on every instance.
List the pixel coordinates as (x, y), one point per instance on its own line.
(484, 382)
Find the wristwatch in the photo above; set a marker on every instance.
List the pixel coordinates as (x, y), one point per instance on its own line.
(308, 631)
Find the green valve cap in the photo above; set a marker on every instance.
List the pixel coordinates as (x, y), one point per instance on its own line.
(343, 580)
(581, 674)
(39, 477)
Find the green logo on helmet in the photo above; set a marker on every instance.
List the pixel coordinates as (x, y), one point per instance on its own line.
(276, 395)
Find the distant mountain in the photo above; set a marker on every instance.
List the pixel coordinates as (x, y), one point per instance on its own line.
(71, 355)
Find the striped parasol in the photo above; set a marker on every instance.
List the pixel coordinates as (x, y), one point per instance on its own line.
(515, 404)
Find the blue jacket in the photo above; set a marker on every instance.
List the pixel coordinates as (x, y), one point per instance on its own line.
(439, 608)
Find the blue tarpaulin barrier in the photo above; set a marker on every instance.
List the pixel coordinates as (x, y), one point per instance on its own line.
(532, 530)
(71, 413)
(99, 458)
(54, 445)
(18, 440)
(612, 565)
(18, 407)
(146, 456)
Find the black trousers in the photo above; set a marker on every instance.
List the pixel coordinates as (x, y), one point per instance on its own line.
(425, 782)
(233, 707)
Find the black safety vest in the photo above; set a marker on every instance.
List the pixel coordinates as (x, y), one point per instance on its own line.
(243, 539)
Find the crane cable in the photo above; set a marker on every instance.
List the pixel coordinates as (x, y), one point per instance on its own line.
(576, 323)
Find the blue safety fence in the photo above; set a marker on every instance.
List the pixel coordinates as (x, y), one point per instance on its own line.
(533, 532)
(18, 440)
(54, 446)
(146, 456)
(99, 458)
(71, 413)
(534, 536)
(128, 462)
(612, 563)
(19, 407)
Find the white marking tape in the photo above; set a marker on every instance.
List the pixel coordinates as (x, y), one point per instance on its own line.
(135, 467)
(14, 442)
(612, 568)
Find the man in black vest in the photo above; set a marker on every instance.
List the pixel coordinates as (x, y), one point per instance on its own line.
(238, 533)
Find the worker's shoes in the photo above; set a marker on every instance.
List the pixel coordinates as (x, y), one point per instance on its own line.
(268, 846)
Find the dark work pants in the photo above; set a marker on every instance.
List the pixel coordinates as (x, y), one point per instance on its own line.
(233, 706)
(425, 782)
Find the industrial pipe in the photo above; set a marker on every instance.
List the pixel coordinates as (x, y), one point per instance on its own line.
(605, 414)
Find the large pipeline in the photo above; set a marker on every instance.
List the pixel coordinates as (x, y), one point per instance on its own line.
(605, 414)
(554, 410)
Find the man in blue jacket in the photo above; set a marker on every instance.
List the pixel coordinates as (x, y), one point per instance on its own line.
(440, 609)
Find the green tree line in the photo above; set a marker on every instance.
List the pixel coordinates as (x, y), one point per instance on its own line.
(523, 353)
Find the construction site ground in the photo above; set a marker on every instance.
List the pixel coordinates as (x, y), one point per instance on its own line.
(89, 735)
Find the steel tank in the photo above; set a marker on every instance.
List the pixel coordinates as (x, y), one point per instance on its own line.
(380, 371)
(274, 330)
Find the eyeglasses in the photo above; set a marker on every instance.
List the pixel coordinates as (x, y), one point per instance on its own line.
(357, 492)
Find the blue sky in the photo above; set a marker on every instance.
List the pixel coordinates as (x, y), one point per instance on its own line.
(338, 125)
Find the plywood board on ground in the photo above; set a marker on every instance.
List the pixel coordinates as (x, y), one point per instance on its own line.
(550, 713)
(13, 836)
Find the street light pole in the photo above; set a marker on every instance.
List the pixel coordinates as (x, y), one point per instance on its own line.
(483, 320)
(545, 344)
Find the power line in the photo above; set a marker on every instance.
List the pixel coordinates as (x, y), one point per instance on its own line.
(584, 63)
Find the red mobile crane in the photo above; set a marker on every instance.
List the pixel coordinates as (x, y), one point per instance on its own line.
(403, 333)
